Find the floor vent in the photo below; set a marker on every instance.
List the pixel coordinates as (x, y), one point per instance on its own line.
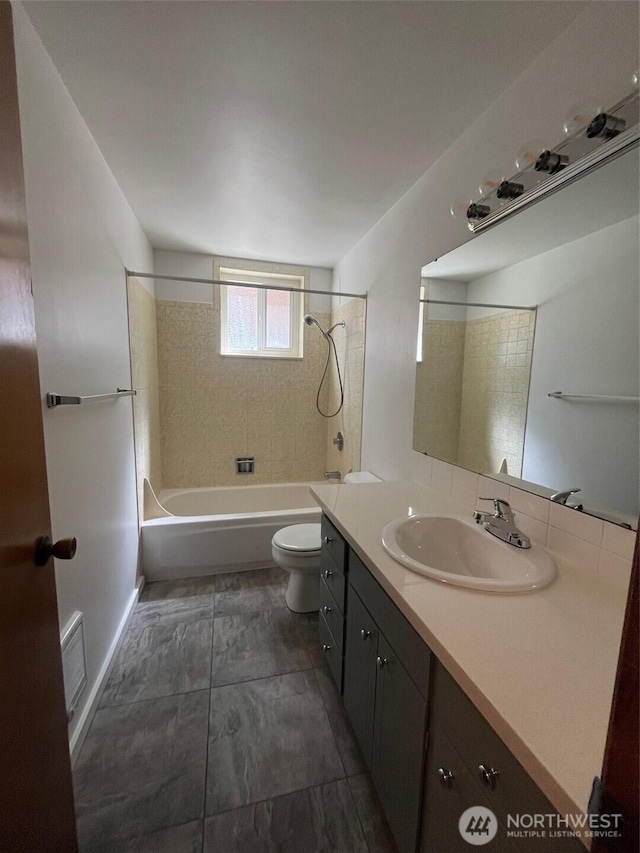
(73, 662)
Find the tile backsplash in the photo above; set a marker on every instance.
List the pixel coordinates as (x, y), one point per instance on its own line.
(596, 547)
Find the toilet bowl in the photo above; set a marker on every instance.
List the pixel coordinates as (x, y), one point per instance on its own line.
(297, 550)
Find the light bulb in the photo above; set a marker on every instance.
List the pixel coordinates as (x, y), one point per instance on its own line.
(459, 209)
(635, 79)
(490, 182)
(528, 154)
(579, 116)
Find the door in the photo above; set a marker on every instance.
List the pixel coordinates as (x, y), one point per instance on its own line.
(398, 747)
(360, 672)
(35, 783)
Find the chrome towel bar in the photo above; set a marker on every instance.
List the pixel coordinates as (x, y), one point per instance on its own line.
(54, 400)
(560, 395)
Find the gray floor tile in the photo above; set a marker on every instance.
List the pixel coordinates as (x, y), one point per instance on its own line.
(160, 659)
(348, 747)
(267, 738)
(317, 820)
(247, 592)
(257, 645)
(176, 839)
(142, 768)
(178, 600)
(375, 827)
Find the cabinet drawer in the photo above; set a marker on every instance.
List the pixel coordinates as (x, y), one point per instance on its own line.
(407, 643)
(333, 545)
(334, 580)
(332, 614)
(332, 654)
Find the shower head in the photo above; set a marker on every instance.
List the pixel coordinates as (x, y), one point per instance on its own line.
(310, 320)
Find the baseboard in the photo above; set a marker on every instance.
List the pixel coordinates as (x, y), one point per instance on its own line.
(91, 705)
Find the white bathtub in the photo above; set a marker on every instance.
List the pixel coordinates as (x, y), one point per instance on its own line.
(214, 530)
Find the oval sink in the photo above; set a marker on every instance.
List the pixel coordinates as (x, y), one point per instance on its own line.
(451, 549)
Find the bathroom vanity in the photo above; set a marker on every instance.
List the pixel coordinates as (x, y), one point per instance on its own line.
(460, 698)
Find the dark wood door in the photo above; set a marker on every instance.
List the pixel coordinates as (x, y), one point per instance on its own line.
(360, 672)
(35, 781)
(398, 747)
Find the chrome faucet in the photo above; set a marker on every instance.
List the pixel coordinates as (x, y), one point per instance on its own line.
(332, 475)
(502, 523)
(563, 497)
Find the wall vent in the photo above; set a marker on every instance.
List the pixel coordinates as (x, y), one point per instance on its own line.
(74, 668)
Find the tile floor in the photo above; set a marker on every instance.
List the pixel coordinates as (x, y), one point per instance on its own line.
(220, 730)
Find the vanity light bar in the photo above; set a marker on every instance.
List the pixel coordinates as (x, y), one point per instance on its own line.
(614, 133)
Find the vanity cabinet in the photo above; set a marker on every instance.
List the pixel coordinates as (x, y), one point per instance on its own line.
(469, 765)
(386, 679)
(393, 688)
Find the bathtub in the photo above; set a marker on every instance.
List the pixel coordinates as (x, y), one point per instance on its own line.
(212, 530)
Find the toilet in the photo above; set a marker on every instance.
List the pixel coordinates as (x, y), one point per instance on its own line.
(297, 550)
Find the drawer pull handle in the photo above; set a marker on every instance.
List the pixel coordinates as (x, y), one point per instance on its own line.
(364, 633)
(327, 574)
(327, 540)
(326, 609)
(489, 776)
(446, 778)
(326, 648)
(382, 662)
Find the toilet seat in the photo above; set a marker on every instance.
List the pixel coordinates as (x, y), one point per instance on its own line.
(302, 539)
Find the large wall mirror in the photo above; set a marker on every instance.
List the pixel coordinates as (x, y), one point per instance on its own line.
(528, 363)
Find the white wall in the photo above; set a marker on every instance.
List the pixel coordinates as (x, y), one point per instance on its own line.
(593, 57)
(82, 233)
(194, 265)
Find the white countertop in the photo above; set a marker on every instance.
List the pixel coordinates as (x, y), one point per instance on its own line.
(539, 666)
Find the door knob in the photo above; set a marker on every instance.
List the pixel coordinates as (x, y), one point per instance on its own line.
(63, 549)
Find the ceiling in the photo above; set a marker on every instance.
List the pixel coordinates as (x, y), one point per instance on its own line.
(282, 130)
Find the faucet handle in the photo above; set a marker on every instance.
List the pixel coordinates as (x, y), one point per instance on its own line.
(563, 497)
(501, 507)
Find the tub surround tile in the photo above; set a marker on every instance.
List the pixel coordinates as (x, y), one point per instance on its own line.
(267, 738)
(376, 830)
(247, 592)
(127, 782)
(352, 759)
(160, 659)
(258, 645)
(316, 820)
(186, 838)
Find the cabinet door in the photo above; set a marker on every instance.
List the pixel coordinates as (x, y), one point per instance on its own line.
(449, 791)
(360, 672)
(398, 747)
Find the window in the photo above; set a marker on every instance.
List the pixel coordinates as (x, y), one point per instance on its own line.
(261, 323)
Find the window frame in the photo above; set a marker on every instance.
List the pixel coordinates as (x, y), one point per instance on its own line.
(244, 273)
